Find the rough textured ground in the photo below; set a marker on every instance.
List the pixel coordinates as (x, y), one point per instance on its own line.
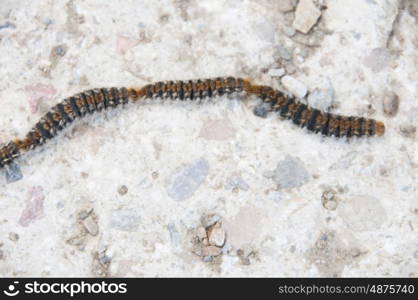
(181, 189)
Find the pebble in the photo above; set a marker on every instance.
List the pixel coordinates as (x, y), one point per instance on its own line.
(174, 235)
(13, 236)
(122, 190)
(262, 109)
(38, 93)
(290, 68)
(363, 213)
(85, 213)
(276, 196)
(185, 182)
(13, 173)
(277, 72)
(211, 251)
(78, 240)
(265, 31)
(7, 25)
(218, 130)
(408, 130)
(60, 50)
(34, 207)
(207, 259)
(391, 104)
(378, 59)
(201, 233)
(291, 173)
(125, 220)
(90, 225)
(294, 86)
(236, 182)
(227, 248)
(103, 256)
(329, 200)
(306, 16)
(210, 220)
(124, 43)
(289, 31)
(217, 235)
(322, 99)
(285, 5)
(282, 52)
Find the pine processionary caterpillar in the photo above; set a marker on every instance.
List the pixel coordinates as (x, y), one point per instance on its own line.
(88, 102)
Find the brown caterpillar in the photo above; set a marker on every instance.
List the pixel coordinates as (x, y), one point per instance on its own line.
(88, 102)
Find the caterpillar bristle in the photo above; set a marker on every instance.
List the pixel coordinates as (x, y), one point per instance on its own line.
(96, 100)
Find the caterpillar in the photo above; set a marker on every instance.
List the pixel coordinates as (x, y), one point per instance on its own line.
(96, 100)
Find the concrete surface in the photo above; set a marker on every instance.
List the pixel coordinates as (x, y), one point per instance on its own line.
(180, 189)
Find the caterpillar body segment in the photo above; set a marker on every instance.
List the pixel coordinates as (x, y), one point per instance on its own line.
(96, 100)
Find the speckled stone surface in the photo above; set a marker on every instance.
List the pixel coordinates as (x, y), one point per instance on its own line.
(211, 189)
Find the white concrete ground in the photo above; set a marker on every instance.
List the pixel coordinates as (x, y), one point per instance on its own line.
(181, 189)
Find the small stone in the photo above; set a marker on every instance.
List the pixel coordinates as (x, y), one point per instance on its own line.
(34, 207)
(299, 59)
(265, 31)
(391, 104)
(283, 52)
(262, 109)
(211, 251)
(354, 252)
(290, 68)
(378, 59)
(291, 173)
(277, 72)
(184, 183)
(13, 236)
(362, 213)
(207, 259)
(217, 130)
(329, 200)
(175, 236)
(237, 183)
(60, 50)
(321, 99)
(90, 225)
(78, 240)
(84, 213)
(210, 220)
(122, 190)
(125, 220)
(13, 173)
(1, 254)
(104, 256)
(294, 86)
(276, 196)
(7, 25)
(289, 31)
(197, 249)
(306, 16)
(201, 233)
(217, 235)
(104, 260)
(408, 130)
(285, 5)
(244, 254)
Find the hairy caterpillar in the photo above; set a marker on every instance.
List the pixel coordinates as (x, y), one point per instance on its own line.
(88, 102)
